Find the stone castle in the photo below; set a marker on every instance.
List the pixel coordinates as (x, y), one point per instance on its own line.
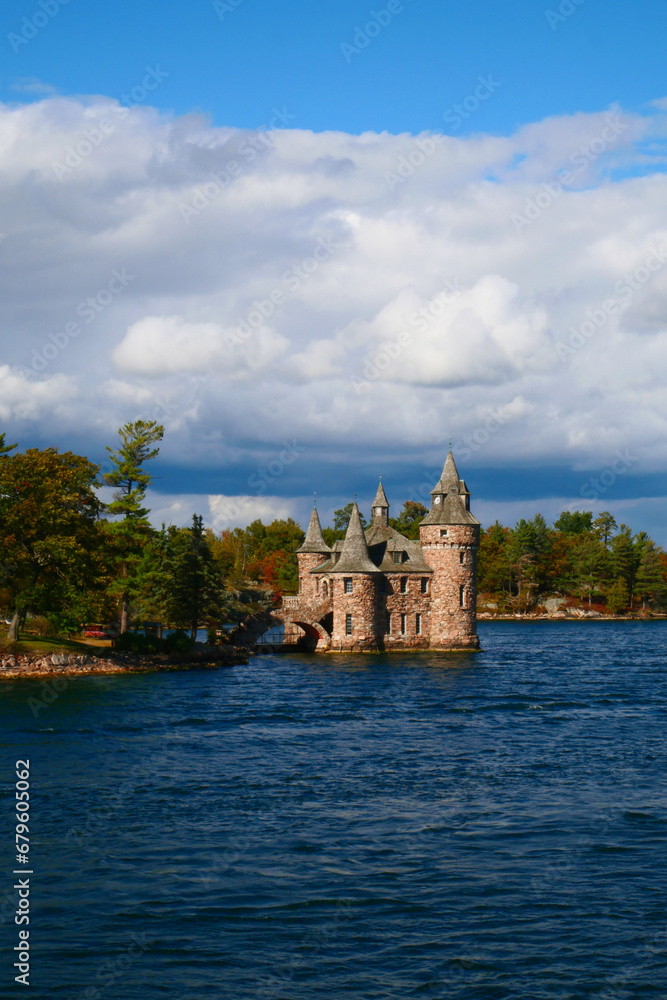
(377, 590)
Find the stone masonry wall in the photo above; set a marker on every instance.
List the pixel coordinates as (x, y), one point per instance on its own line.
(363, 605)
(452, 626)
(307, 581)
(410, 604)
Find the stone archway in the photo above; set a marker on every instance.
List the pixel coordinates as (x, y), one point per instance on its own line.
(315, 637)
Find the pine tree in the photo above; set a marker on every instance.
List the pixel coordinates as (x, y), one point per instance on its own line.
(131, 480)
(650, 581)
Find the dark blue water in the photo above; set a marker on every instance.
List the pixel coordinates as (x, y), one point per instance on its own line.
(472, 826)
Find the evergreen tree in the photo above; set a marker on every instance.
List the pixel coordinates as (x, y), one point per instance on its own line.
(574, 522)
(192, 579)
(604, 526)
(623, 558)
(131, 481)
(5, 448)
(650, 580)
(618, 596)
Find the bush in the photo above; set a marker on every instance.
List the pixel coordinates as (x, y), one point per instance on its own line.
(39, 625)
(178, 642)
(136, 642)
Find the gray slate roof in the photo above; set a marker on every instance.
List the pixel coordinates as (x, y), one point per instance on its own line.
(314, 540)
(383, 542)
(354, 557)
(452, 492)
(380, 498)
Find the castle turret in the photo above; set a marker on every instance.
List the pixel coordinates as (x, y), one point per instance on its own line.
(312, 553)
(449, 535)
(380, 509)
(355, 581)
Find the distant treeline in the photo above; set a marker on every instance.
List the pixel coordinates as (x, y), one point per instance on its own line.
(69, 558)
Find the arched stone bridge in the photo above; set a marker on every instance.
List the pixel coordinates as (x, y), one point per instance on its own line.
(308, 626)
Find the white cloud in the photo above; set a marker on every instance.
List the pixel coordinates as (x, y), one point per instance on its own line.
(293, 275)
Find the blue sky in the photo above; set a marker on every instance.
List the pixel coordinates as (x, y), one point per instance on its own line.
(238, 64)
(547, 196)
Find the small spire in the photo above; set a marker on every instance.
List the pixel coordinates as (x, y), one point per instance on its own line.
(354, 556)
(380, 508)
(314, 540)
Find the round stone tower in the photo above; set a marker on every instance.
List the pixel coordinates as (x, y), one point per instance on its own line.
(355, 582)
(449, 536)
(312, 553)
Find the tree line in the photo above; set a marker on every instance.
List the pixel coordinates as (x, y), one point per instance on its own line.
(590, 558)
(68, 557)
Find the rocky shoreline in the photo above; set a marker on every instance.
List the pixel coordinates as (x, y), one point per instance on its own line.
(573, 615)
(24, 665)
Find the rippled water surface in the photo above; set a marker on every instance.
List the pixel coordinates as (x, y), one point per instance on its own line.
(467, 826)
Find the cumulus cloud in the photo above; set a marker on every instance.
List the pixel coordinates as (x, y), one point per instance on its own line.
(320, 292)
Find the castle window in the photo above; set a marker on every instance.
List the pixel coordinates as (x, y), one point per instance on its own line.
(462, 557)
(398, 557)
(404, 624)
(418, 624)
(404, 584)
(388, 624)
(383, 584)
(424, 585)
(348, 624)
(462, 596)
(317, 584)
(443, 532)
(325, 589)
(347, 584)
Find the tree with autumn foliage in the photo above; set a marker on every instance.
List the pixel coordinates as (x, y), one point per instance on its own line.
(50, 538)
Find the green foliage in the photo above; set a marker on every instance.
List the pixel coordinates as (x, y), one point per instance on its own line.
(136, 642)
(409, 519)
(574, 522)
(5, 448)
(618, 596)
(580, 556)
(129, 535)
(50, 540)
(604, 526)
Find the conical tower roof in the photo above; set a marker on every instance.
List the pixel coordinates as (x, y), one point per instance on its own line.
(449, 476)
(314, 540)
(380, 498)
(354, 557)
(450, 498)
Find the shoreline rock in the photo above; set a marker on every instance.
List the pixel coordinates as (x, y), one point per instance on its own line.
(13, 665)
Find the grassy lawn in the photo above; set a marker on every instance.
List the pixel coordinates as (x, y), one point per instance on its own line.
(45, 645)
